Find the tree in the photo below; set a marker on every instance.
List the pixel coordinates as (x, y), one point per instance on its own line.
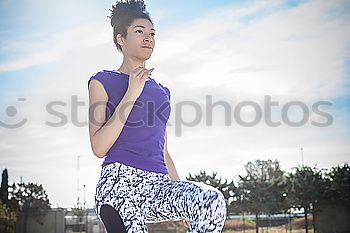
(31, 200)
(4, 187)
(340, 184)
(307, 188)
(287, 202)
(5, 211)
(262, 188)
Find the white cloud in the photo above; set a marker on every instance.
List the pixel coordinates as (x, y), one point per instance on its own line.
(295, 51)
(56, 47)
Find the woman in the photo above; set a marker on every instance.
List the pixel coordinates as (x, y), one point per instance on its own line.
(128, 113)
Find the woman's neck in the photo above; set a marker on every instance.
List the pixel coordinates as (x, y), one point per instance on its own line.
(129, 65)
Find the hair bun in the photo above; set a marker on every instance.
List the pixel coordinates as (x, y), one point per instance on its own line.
(122, 8)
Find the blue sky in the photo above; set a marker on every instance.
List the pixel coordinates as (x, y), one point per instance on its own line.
(232, 50)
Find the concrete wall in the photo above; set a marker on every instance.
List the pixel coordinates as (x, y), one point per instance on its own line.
(333, 219)
(53, 222)
(56, 222)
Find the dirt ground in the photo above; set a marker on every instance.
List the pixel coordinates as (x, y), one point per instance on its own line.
(234, 226)
(297, 225)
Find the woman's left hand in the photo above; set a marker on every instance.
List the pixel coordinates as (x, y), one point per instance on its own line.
(186, 223)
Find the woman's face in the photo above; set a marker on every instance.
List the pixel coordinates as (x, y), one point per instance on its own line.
(139, 41)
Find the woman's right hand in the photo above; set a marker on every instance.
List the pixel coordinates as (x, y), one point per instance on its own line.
(137, 79)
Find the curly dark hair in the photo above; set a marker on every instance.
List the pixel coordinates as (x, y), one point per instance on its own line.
(123, 14)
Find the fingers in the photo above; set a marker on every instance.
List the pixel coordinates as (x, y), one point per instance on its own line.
(138, 70)
(150, 72)
(186, 223)
(144, 74)
(141, 73)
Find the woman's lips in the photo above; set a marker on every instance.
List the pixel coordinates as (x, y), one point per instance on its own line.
(145, 47)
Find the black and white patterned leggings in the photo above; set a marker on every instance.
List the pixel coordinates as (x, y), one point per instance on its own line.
(141, 197)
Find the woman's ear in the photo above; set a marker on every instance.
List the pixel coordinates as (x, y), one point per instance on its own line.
(120, 39)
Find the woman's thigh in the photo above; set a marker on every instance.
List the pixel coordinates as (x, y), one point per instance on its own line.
(127, 190)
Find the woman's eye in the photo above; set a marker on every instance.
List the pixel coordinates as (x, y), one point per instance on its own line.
(153, 34)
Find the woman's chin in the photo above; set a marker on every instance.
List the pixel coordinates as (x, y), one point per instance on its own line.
(145, 56)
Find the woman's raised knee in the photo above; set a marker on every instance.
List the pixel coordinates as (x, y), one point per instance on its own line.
(218, 196)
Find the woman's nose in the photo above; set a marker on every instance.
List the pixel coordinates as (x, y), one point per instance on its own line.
(148, 38)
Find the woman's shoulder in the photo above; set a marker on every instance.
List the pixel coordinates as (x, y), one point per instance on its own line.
(98, 75)
(108, 76)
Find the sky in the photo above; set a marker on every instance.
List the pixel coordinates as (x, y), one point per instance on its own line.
(237, 54)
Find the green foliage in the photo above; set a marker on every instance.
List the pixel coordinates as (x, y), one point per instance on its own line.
(29, 199)
(249, 221)
(4, 187)
(307, 186)
(338, 186)
(4, 209)
(263, 187)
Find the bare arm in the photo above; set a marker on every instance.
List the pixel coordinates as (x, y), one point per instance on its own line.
(104, 133)
(169, 162)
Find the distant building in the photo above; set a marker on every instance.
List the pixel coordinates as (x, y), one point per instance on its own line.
(62, 220)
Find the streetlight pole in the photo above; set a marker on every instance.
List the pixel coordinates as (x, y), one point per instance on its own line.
(86, 211)
(84, 197)
(302, 157)
(78, 201)
(78, 183)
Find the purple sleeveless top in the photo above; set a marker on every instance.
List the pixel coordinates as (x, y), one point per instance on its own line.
(141, 141)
